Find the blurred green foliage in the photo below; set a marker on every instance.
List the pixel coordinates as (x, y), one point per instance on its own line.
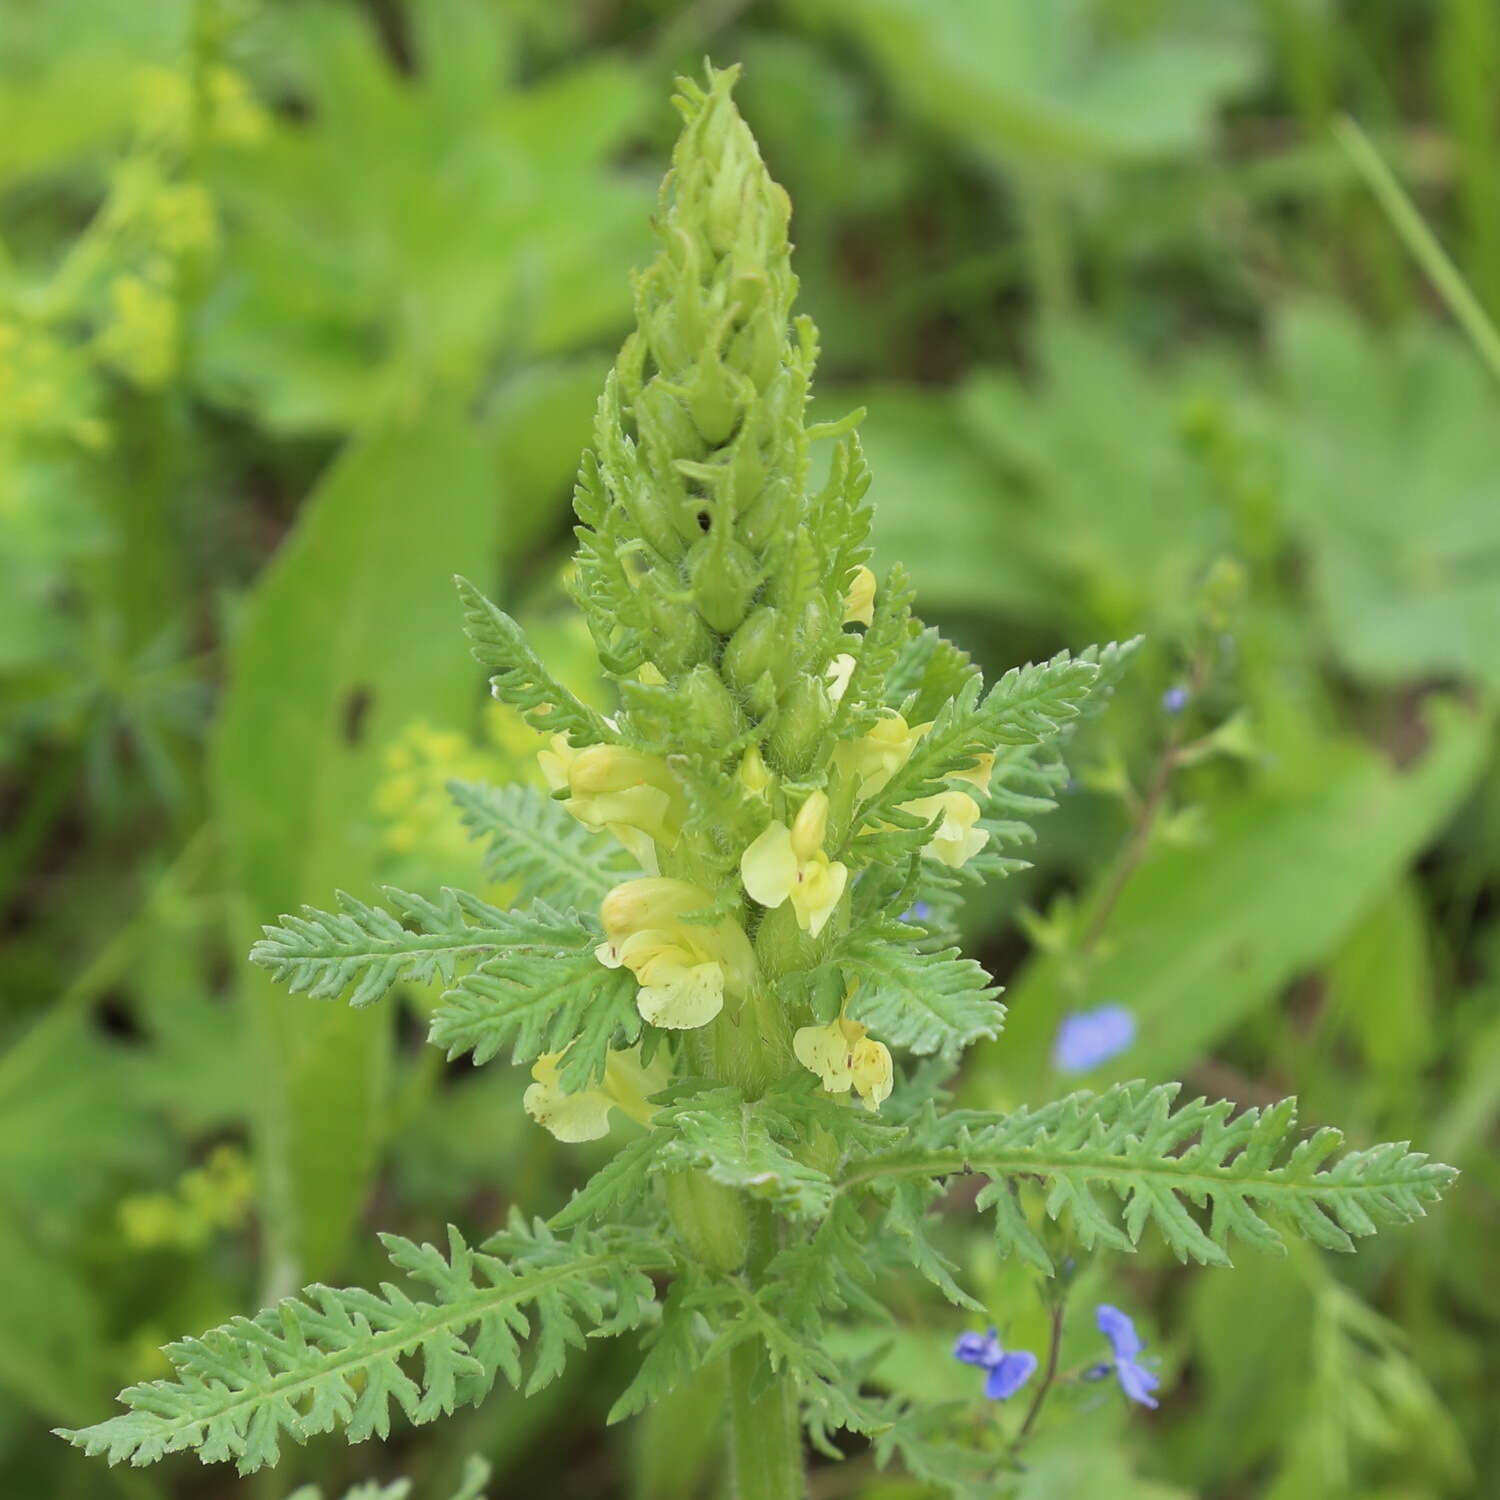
(304, 307)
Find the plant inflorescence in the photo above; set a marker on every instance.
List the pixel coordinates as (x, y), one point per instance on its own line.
(732, 939)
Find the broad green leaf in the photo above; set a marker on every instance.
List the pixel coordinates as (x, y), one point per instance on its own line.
(1057, 82)
(51, 1328)
(418, 221)
(1104, 506)
(353, 633)
(937, 506)
(1391, 446)
(1380, 985)
(1204, 936)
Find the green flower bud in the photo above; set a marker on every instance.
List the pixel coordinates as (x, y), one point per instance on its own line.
(802, 719)
(755, 649)
(724, 577)
(714, 713)
(680, 638)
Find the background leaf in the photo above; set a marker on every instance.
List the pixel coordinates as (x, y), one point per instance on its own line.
(365, 576)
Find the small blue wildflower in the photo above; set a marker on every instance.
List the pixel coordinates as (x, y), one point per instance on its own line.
(1088, 1038)
(1007, 1372)
(918, 911)
(1135, 1379)
(1175, 699)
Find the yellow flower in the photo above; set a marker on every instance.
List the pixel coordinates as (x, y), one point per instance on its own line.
(877, 755)
(412, 795)
(584, 1115)
(630, 794)
(215, 1196)
(186, 220)
(140, 338)
(840, 670)
(789, 862)
(844, 1056)
(957, 840)
(684, 969)
(979, 773)
(859, 602)
(237, 117)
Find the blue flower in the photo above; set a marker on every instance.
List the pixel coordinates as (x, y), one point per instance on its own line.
(1135, 1379)
(918, 911)
(1088, 1038)
(1175, 699)
(1007, 1372)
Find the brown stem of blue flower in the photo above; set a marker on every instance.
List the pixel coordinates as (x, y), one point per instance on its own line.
(1049, 1379)
(1146, 813)
(1135, 851)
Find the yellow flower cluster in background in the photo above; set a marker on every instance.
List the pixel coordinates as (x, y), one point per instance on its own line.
(230, 113)
(209, 1200)
(412, 797)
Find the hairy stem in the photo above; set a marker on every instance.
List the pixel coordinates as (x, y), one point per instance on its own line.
(765, 1441)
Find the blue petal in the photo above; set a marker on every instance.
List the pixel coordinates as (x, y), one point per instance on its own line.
(1089, 1038)
(1137, 1382)
(1010, 1374)
(978, 1349)
(1120, 1331)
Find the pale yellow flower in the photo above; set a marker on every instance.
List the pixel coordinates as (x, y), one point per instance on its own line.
(871, 760)
(957, 840)
(584, 1114)
(859, 602)
(625, 792)
(790, 863)
(840, 670)
(844, 1056)
(979, 773)
(684, 969)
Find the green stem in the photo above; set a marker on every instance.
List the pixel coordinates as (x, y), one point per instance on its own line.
(765, 1439)
(1044, 229)
(1422, 243)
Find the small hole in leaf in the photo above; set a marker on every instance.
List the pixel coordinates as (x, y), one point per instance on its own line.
(117, 1021)
(704, 520)
(356, 714)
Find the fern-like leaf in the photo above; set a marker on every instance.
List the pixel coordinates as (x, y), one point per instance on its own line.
(331, 1360)
(363, 950)
(925, 1001)
(541, 1002)
(518, 676)
(534, 843)
(1124, 1159)
(533, 983)
(471, 1487)
(1028, 706)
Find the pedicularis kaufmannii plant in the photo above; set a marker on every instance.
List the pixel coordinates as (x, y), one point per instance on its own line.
(731, 944)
